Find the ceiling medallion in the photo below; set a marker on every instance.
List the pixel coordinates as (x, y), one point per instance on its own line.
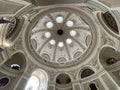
(61, 36)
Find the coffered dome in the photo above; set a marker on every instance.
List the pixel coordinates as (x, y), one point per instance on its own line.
(62, 35)
(59, 45)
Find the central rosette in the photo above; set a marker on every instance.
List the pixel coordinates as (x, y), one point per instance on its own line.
(61, 36)
(60, 32)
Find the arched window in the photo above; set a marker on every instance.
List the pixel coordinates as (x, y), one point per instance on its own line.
(33, 83)
(86, 73)
(15, 66)
(38, 80)
(93, 86)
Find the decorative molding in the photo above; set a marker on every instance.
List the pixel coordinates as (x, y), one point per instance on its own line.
(107, 40)
(77, 60)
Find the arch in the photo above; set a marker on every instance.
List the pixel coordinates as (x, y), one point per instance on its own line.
(111, 29)
(93, 86)
(108, 56)
(86, 73)
(10, 31)
(63, 73)
(15, 65)
(110, 60)
(33, 83)
(37, 81)
(16, 59)
(63, 81)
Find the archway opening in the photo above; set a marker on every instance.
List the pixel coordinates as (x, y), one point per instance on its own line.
(63, 81)
(108, 56)
(33, 83)
(17, 62)
(37, 81)
(93, 86)
(86, 72)
(110, 60)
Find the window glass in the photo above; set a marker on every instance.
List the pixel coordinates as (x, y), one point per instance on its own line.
(15, 66)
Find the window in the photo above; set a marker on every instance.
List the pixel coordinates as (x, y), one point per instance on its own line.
(15, 66)
(33, 83)
(38, 80)
(93, 86)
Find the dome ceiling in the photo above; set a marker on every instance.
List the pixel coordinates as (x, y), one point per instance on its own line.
(62, 35)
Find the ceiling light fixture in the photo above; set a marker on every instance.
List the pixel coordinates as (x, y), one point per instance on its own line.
(60, 44)
(69, 23)
(59, 19)
(47, 34)
(49, 25)
(73, 33)
(68, 41)
(52, 42)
